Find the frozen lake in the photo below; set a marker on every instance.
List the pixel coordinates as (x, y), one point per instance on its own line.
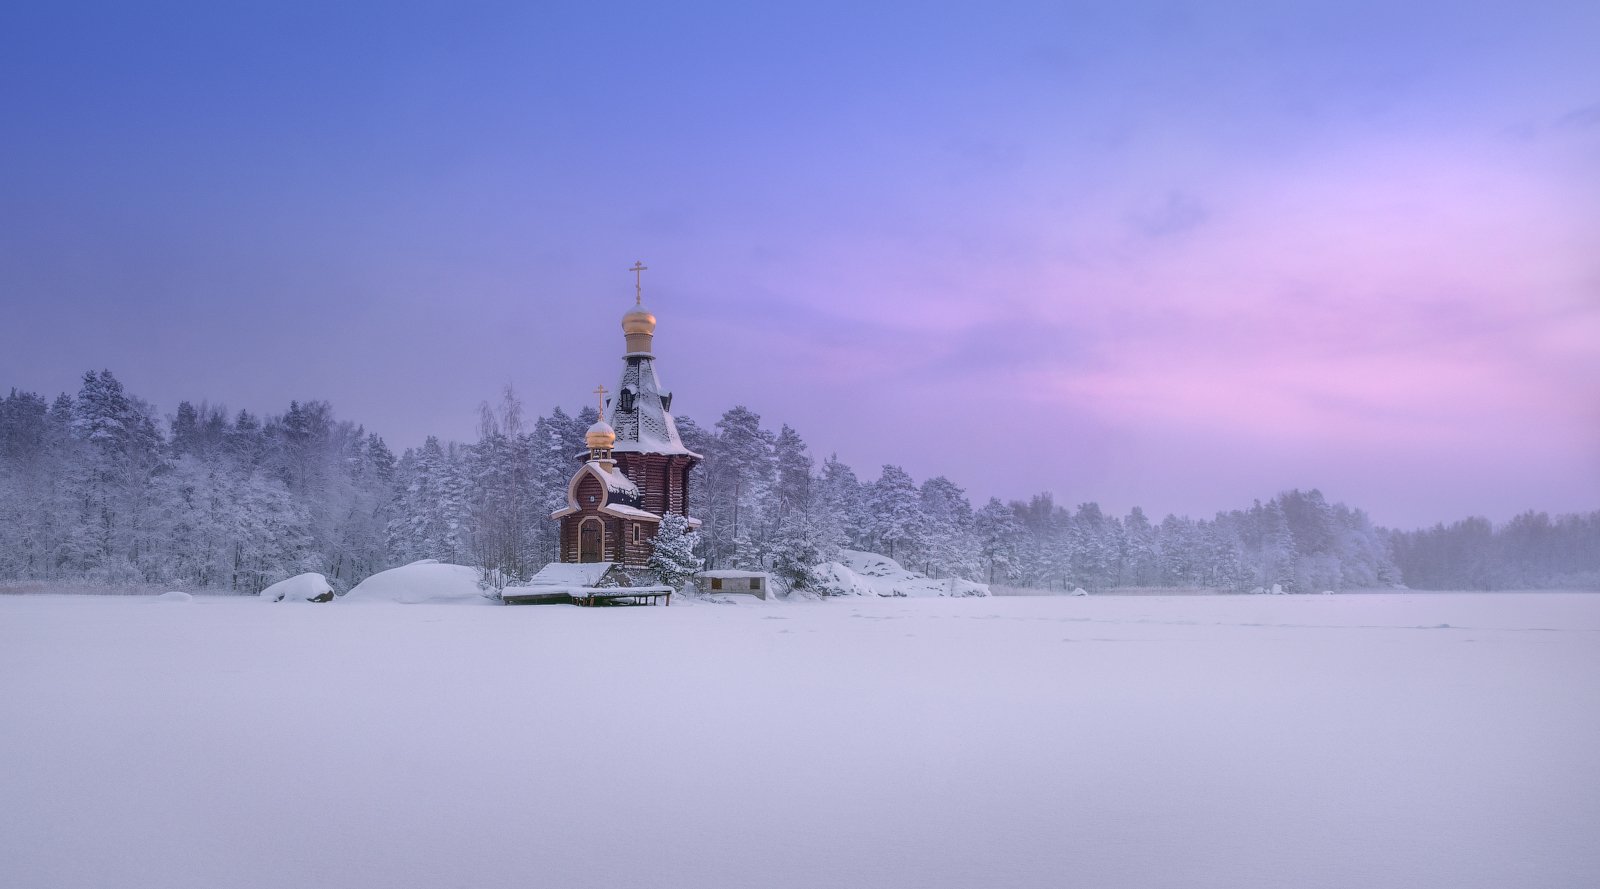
(1418, 740)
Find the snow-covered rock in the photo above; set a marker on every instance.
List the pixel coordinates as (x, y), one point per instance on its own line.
(834, 579)
(426, 581)
(870, 574)
(175, 596)
(1079, 591)
(1277, 589)
(308, 587)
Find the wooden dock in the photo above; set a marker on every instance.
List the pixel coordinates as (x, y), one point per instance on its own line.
(587, 597)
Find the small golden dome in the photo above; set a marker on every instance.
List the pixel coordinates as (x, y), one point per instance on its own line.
(600, 436)
(639, 320)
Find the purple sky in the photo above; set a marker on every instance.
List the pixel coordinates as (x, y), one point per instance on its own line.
(1171, 255)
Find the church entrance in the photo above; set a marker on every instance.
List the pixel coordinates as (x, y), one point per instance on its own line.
(589, 548)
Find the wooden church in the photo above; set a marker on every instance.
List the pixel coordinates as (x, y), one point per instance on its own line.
(635, 468)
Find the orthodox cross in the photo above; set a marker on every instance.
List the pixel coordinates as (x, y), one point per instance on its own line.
(600, 399)
(638, 283)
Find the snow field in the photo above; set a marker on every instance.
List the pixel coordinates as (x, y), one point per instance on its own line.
(1371, 741)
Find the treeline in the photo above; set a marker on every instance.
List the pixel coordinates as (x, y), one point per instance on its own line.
(1532, 551)
(97, 487)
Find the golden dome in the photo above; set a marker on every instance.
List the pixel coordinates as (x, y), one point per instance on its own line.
(639, 320)
(600, 436)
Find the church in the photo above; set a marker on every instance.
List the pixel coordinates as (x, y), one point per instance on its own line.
(635, 468)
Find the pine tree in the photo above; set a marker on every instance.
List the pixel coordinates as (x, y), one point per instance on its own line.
(121, 453)
(839, 509)
(792, 467)
(498, 479)
(672, 558)
(1225, 568)
(896, 515)
(1182, 549)
(1140, 564)
(948, 549)
(998, 531)
(747, 476)
(1278, 552)
(1094, 543)
(795, 550)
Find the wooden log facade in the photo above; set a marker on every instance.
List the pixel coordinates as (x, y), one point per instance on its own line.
(663, 480)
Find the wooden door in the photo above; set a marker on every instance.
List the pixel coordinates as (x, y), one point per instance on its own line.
(589, 541)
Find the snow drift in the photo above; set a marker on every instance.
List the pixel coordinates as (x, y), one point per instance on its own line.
(308, 587)
(426, 581)
(869, 574)
(1217, 742)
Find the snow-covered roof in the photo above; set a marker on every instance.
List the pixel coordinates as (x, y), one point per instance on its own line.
(619, 489)
(731, 575)
(613, 478)
(624, 511)
(647, 427)
(572, 574)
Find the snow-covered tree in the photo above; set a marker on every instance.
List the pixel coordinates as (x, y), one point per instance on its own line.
(895, 514)
(1095, 546)
(91, 489)
(839, 508)
(1140, 560)
(998, 531)
(1278, 551)
(795, 549)
(502, 502)
(949, 548)
(673, 559)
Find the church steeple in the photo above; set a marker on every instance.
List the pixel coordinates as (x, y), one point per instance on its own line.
(641, 411)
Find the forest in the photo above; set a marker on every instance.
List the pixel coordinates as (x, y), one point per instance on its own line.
(99, 488)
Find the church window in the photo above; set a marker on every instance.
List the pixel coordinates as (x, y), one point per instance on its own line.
(627, 401)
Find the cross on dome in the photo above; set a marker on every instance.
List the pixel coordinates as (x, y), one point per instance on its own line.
(639, 268)
(601, 437)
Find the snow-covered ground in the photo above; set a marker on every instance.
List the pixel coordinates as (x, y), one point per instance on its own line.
(1338, 741)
